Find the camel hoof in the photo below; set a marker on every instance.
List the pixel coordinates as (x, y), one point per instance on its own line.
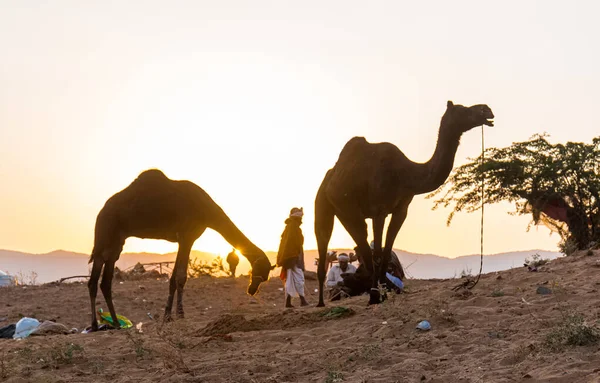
(180, 315)
(167, 318)
(375, 297)
(321, 304)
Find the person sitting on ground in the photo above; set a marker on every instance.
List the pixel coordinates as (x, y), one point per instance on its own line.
(335, 277)
(232, 260)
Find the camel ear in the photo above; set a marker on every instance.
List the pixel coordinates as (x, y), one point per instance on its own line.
(449, 104)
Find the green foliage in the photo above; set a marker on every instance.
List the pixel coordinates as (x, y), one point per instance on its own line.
(573, 331)
(198, 268)
(334, 377)
(336, 312)
(557, 184)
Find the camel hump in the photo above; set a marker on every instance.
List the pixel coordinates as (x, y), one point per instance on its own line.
(151, 174)
(355, 141)
(353, 145)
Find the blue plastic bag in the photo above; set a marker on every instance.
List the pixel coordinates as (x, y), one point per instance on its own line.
(25, 326)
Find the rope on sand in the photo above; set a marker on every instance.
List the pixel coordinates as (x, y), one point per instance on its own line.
(469, 283)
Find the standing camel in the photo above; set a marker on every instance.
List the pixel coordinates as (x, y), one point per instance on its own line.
(373, 180)
(153, 206)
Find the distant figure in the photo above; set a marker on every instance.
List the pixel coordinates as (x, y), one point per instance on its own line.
(291, 258)
(335, 277)
(232, 260)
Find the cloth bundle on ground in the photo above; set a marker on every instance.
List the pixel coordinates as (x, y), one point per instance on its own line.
(7, 332)
(30, 326)
(52, 328)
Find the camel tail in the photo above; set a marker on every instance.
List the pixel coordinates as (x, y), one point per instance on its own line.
(93, 255)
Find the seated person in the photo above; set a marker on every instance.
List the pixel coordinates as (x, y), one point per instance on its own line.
(335, 277)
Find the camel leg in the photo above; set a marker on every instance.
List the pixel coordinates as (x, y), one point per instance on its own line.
(378, 256)
(324, 219)
(106, 287)
(93, 288)
(180, 268)
(357, 228)
(184, 253)
(396, 222)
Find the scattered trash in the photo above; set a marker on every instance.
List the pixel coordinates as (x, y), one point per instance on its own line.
(150, 316)
(52, 328)
(384, 322)
(316, 290)
(105, 318)
(25, 326)
(121, 283)
(280, 289)
(543, 290)
(139, 327)
(7, 332)
(102, 327)
(424, 325)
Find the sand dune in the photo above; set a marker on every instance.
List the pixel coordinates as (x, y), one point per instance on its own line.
(498, 332)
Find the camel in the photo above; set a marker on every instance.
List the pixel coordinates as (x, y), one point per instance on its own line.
(154, 206)
(374, 180)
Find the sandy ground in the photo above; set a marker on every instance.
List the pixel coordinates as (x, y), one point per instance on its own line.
(498, 333)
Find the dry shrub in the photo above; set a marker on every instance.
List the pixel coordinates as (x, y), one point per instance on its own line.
(572, 331)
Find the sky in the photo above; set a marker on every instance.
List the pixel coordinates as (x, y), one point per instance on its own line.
(253, 102)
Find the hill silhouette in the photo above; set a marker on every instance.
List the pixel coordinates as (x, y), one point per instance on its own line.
(61, 263)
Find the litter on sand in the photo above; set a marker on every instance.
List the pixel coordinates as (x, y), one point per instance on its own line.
(105, 318)
(424, 325)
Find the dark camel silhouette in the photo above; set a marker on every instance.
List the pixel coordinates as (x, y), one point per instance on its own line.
(153, 206)
(373, 180)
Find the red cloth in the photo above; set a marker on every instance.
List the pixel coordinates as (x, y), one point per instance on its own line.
(283, 274)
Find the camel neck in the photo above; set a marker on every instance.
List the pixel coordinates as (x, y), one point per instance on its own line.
(224, 226)
(435, 171)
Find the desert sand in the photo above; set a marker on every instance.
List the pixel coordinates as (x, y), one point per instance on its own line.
(498, 332)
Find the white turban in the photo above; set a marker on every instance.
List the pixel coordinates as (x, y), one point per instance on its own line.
(297, 212)
(343, 257)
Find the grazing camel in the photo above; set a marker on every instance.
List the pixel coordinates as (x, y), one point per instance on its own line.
(373, 180)
(153, 206)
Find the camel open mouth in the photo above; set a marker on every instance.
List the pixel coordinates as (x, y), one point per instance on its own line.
(488, 117)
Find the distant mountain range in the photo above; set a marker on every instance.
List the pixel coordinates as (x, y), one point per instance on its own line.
(60, 263)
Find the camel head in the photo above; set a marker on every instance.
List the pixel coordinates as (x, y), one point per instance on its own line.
(461, 118)
(260, 273)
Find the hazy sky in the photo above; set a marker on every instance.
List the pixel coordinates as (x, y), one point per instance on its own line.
(253, 101)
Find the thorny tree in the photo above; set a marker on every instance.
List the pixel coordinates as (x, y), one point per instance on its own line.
(559, 185)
